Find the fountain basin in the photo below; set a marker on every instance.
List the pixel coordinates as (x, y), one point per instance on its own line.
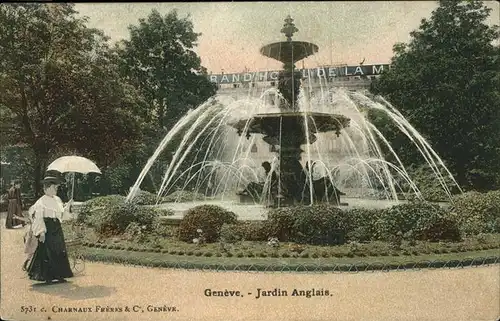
(258, 212)
(289, 51)
(270, 123)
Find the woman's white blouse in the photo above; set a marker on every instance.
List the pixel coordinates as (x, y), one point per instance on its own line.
(46, 206)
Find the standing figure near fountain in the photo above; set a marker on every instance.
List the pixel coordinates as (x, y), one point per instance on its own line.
(267, 169)
(291, 128)
(272, 179)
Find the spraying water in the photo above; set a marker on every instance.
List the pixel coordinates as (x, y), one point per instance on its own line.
(317, 142)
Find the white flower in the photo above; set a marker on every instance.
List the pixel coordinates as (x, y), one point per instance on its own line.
(273, 241)
(196, 241)
(199, 230)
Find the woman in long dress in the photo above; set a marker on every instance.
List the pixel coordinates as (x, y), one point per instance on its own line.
(14, 208)
(50, 261)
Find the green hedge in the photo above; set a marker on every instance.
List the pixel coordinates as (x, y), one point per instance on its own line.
(472, 214)
(417, 220)
(327, 224)
(317, 224)
(207, 218)
(320, 224)
(478, 212)
(362, 224)
(430, 187)
(245, 231)
(112, 215)
(145, 198)
(97, 205)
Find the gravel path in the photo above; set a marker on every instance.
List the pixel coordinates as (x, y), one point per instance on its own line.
(458, 294)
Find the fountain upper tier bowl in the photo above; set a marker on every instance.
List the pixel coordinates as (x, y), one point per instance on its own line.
(272, 124)
(289, 51)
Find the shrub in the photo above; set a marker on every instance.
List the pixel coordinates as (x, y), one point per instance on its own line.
(111, 215)
(255, 231)
(442, 228)
(162, 228)
(114, 219)
(231, 233)
(146, 216)
(316, 224)
(280, 222)
(424, 177)
(133, 232)
(363, 224)
(208, 218)
(98, 205)
(164, 211)
(478, 212)
(320, 224)
(145, 198)
(417, 220)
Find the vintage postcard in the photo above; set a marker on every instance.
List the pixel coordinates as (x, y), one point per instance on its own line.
(250, 161)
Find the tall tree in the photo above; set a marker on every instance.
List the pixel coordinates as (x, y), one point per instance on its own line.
(446, 82)
(160, 60)
(60, 85)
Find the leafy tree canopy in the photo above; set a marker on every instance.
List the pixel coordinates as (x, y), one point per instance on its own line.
(446, 82)
(160, 60)
(61, 89)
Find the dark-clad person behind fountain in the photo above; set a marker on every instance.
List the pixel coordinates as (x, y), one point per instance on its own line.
(267, 169)
(15, 206)
(323, 188)
(50, 261)
(254, 190)
(273, 183)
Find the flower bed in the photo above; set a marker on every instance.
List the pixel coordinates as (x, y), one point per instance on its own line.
(320, 232)
(275, 249)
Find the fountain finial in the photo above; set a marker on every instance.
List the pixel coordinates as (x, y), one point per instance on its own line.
(289, 28)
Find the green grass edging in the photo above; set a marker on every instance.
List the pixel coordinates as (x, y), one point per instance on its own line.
(163, 260)
(275, 253)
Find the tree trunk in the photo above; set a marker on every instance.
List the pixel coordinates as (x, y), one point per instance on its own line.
(39, 168)
(37, 186)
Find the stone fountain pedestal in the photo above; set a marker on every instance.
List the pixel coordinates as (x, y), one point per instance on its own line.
(292, 128)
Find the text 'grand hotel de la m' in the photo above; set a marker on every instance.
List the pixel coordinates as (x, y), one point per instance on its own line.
(350, 77)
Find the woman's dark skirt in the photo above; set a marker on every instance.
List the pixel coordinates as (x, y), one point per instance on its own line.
(14, 208)
(50, 261)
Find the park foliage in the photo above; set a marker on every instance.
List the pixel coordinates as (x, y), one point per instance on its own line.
(445, 81)
(67, 90)
(472, 214)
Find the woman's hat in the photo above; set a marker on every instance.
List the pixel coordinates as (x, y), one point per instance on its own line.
(53, 177)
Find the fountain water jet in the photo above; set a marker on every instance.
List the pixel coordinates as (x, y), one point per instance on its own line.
(302, 118)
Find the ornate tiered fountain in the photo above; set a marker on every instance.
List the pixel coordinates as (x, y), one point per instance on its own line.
(293, 127)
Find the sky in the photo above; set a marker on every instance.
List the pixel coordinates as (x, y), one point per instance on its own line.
(232, 33)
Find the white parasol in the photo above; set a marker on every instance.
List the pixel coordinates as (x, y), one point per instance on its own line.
(74, 164)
